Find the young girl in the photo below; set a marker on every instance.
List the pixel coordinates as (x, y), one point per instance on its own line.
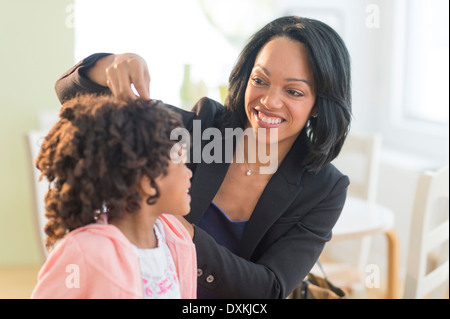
(111, 180)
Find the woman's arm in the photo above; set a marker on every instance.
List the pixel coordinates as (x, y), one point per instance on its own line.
(106, 73)
(74, 81)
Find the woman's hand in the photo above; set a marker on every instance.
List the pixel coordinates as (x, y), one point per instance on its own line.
(119, 72)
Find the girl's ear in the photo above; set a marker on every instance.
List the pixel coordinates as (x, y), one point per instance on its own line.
(146, 186)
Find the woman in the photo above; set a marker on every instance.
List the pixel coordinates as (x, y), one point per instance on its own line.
(258, 235)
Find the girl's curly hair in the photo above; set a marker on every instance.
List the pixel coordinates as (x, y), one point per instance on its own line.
(95, 156)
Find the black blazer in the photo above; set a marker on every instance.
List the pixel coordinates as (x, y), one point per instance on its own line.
(288, 229)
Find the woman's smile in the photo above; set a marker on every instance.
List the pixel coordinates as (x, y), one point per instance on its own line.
(268, 120)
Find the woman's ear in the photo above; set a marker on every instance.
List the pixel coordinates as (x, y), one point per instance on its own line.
(146, 187)
(314, 112)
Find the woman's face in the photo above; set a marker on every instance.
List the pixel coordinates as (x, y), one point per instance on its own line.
(280, 93)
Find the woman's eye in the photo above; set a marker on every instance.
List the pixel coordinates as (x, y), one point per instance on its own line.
(257, 81)
(295, 93)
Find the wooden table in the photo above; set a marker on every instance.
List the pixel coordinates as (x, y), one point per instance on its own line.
(362, 218)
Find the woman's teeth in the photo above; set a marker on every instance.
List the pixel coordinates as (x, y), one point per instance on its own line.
(269, 120)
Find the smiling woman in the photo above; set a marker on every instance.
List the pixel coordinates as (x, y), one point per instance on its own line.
(323, 61)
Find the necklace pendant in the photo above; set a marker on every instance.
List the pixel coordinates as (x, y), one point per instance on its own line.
(248, 173)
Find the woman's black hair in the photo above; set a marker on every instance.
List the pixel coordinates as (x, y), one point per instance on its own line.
(330, 62)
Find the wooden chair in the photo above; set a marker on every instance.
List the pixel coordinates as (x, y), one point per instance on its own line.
(429, 235)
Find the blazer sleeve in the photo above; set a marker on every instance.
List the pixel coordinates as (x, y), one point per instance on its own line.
(74, 81)
(206, 110)
(280, 268)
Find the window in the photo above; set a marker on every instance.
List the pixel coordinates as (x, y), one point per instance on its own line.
(415, 122)
(164, 34)
(169, 35)
(404, 96)
(426, 90)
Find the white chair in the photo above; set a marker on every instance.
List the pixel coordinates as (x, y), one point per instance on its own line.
(361, 218)
(46, 119)
(429, 231)
(34, 140)
(359, 159)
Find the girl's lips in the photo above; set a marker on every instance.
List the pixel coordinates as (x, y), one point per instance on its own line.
(188, 195)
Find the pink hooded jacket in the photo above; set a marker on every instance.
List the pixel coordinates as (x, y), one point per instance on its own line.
(98, 262)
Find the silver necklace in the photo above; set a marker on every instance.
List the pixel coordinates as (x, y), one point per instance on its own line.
(249, 171)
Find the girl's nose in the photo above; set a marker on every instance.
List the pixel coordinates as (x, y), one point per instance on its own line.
(189, 172)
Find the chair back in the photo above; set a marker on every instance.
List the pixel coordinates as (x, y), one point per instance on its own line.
(359, 160)
(429, 234)
(34, 140)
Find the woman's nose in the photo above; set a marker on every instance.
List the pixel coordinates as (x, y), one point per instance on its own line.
(272, 99)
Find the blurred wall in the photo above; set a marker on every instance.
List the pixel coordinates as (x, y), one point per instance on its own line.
(36, 39)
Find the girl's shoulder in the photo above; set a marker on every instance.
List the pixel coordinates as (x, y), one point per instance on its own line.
(97, 256)
(95, 238)
(97, 231)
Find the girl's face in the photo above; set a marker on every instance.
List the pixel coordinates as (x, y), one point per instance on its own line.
(174, 189)
(280, 93)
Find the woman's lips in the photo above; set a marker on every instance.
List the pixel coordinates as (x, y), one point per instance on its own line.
(268, 121)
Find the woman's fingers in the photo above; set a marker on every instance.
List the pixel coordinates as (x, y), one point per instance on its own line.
(128, 69)
(141, 81)
(124, 82)
(112, 81)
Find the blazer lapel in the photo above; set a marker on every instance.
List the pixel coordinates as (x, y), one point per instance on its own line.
(278, 195)
(205, 184)
(207, 179)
